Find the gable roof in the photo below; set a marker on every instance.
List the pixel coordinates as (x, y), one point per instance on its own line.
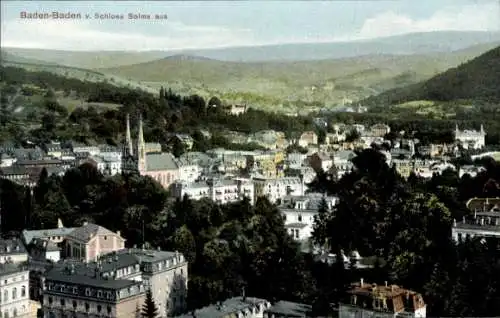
(88, 231)
(160, 161)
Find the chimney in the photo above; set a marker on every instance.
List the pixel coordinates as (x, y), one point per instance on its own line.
(85, 223)
(118, 233)
(454, 223)
(463, 219)
(361, 283)
(159, 248)
(385, 283)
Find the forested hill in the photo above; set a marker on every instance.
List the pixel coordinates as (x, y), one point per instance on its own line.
(475, 80)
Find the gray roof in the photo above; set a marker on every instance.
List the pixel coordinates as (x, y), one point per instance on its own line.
(11, 246)
(29, 235)
(290, 309)
(160, 161)
(89, 230)
(10, 268)
(228, 307)
(62, 274)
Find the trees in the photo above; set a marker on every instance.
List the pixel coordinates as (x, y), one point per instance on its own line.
(149, 309)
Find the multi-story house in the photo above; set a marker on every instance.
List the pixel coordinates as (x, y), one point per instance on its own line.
(263, 163)
(53, 149)
(276, 189)
(218, 190)
(342, 160)
(308, 138)
(484, 223)
(299, 211)
(233, 307)
(295, 160)
(189, 171)
(379, 130)
(12, 251)
(14, 286)
(372, 300)
(85, 292)
(107, 165)
(307, 173)
(471, 139)
(79, 148)
(88, 242)
(321, 161)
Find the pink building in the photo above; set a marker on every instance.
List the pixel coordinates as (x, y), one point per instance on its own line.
(90, 241)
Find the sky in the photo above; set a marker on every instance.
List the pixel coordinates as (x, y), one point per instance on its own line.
(215, 24)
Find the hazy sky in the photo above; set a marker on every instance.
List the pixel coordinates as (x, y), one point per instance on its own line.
(208, 24)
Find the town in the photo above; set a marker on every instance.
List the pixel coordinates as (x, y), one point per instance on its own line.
(89, 270)
(259, 159)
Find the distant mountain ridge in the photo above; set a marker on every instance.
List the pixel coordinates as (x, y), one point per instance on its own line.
(477, 79)
(185, 57)
(408, 44)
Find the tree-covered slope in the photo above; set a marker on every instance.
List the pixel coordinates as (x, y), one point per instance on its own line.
(475, 80)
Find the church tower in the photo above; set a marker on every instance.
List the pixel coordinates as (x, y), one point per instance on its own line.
(141, 148)
(128, 142)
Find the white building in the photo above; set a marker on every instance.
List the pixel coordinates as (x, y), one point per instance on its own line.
(242, 306)
(108, 164)
(386, 301)
(299, 212)
(220, 191)
(276, 189)
(484, 223)
(12, 251)
(342, 160)
(188, 171)
(472, 171)
(471, 139)
(14, 291)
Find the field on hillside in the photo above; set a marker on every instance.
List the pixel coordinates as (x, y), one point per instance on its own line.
(276, 86)
(290, 86)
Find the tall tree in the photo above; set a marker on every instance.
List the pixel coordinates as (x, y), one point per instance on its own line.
(149, 309)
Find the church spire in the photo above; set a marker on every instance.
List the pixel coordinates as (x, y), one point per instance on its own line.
(141, 147)
(129, 146)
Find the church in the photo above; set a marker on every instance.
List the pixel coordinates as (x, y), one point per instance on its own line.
(160, 166)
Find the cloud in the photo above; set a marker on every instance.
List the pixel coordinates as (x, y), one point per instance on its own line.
(480, 17)
(83, 35)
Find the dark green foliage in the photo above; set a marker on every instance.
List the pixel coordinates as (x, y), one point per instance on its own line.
(477, 79)
(149, 309)
(408, 224)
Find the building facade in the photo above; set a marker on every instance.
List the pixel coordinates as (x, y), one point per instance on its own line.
(471, 139)
(372, 300)
(14, 291)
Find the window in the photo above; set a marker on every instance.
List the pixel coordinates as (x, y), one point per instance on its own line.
(99, 294)
(63, 302)
(50, 300)
(14, 293)
(87, 292)
(23, 291)
(109, 310)
(6, 295)
(105, 237)
(74, 304)
(15, 312)
(87, 306)
(99, 308)
(299, 218)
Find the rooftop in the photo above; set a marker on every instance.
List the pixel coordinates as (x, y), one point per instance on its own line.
(11, 246)
(227, 307)
(289, 309)
(64, 275)
(11, 268)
